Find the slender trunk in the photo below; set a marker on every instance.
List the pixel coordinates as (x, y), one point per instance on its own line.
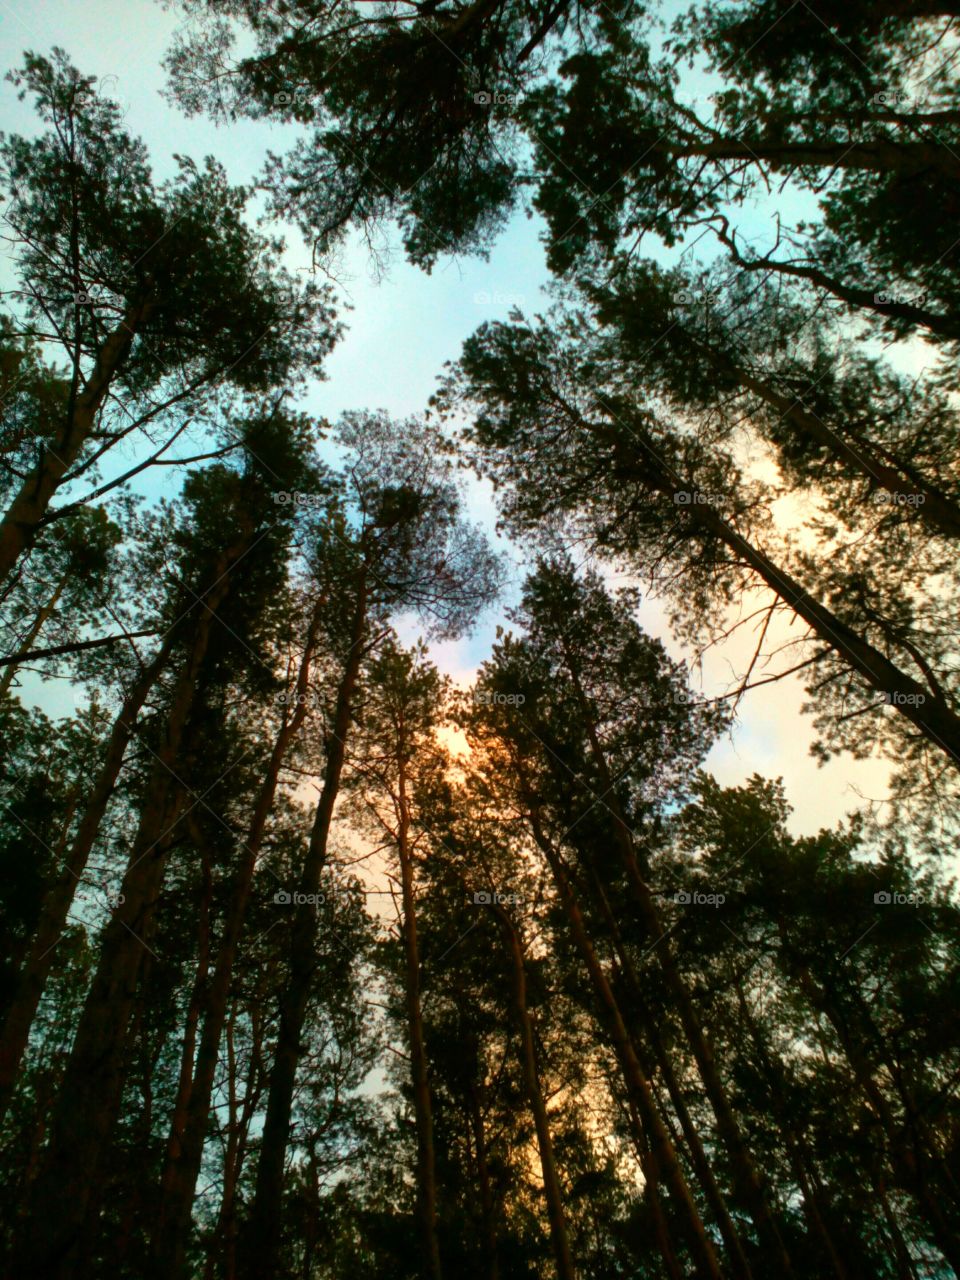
(926, 500)
(264, 1225)
(907, 1161)
(24, 643)
(483, 1182)
(931, 715)
(92, 1083)
(528, 1064)
(419, 1078)
(663, 1163)
(747, 1184)
(56, 905)
(795, 1143)
(740, 1267)
(19, 526)
(185, 1149)
(181, 1108)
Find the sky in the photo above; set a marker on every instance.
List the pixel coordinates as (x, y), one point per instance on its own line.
(402, 328)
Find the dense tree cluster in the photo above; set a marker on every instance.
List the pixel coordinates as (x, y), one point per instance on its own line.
(315, 965)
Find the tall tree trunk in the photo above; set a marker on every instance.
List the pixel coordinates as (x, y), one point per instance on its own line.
(56, 904)
(189, 1127)
(928, 501)
(483, 1182)
(795, 1142)
(419, 1078)
(19, 526)
(663, 1163)
(531, 1078)
(918, 703)
(747, 1185)
(905, 1159)
(93, 1081)
(740, 1266)
(259, 1257)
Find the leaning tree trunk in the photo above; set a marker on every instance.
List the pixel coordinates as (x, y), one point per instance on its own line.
(93, 1079)
(740, 1266)
(190, 1122)
(918, 703)
(747, 1184)
(56, 905)
(553, 1195)
(663, 1164)
(25, 642)
(263, 1231)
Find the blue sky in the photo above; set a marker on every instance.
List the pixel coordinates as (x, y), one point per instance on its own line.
(402, 329)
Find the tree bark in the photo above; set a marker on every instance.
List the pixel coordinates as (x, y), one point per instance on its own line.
(419, 1076)
(92, 1083)
(264, 1226)
(928, 712)
(663, 1163)
(189, 1129)
(553, 1195)
(43, 613)
(56, 905)
(747, 1185)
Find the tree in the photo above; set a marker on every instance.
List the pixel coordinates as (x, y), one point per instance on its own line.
(151, 294)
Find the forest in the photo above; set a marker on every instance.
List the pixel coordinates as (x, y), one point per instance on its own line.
(324, 956)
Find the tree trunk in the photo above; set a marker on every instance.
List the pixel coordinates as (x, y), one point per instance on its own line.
(422, 1104)
(19, 526)
(663, 1163)
(740, 1266)
(92, 1083)
(931, 715)
(483, 1182)
(747, 1185)
(259, 1258)
(56, 905)
(185, 1150)
(926, 500)
(528, 1064)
